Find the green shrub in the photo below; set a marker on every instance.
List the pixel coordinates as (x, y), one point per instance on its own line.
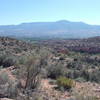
(4, 78)
(8, 86)
(31, 67)
(7, 60)
(1, 67)
(54, 72)
(65, 83)
(80, 79)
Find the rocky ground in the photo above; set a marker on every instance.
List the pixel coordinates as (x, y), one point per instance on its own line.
(47, 88)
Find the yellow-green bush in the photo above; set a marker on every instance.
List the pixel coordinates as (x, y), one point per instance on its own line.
(65, 83)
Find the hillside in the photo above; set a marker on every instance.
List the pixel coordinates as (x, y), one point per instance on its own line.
(59, 29)
(89, 45)
(12, 49)
(14, 46)
(47, 70)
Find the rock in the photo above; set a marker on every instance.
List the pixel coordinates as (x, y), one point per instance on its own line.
(97, 90)
(6, 99)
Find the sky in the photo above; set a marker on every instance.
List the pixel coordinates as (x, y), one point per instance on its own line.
(23, 11)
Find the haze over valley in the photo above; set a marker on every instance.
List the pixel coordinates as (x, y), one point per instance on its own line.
(59, 29)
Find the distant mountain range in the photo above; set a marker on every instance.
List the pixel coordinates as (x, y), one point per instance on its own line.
(59, 29)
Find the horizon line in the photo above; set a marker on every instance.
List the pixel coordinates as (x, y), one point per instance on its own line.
(47, 22)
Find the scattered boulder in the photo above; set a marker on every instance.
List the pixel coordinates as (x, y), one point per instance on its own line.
(5, 99)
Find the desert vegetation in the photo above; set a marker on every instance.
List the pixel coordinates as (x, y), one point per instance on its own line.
(45, 72)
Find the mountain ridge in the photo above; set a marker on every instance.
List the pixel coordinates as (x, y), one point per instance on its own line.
(58, 29)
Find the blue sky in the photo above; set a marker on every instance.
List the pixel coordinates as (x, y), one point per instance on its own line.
(19, 11)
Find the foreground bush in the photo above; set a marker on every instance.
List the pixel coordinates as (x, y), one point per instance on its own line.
(31, 68)
(65, 83)
(3, 78)
(8, 86)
